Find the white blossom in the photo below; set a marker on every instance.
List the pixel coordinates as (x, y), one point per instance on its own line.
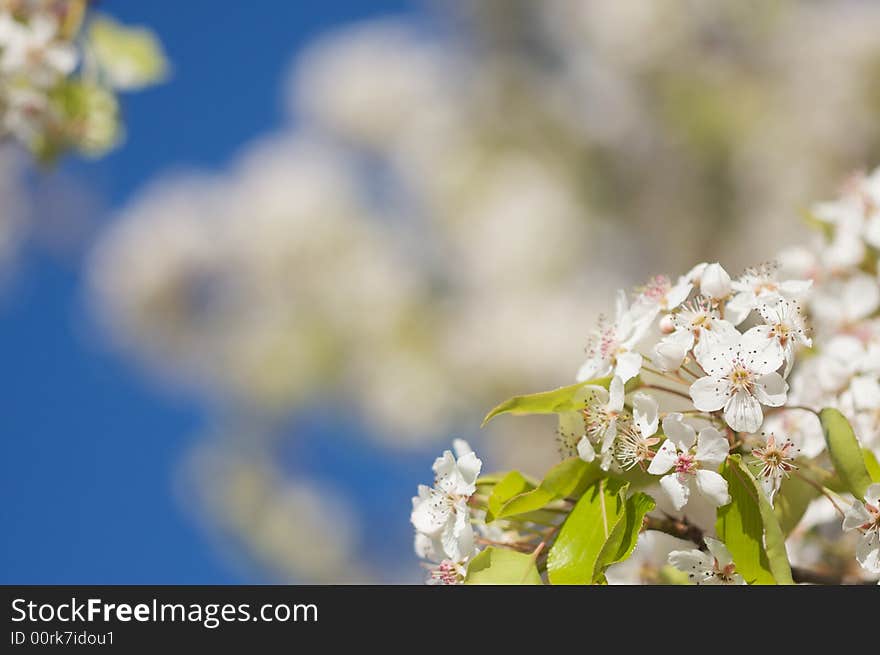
(784, 324)
(741, 376)
(614, 346)
(715, 282)
(776, 457)
(691, 468)
(662, 292)
(865, 517)
(34, 50)
(713, 568)
(698, 326)
(441, 513)
(760, 284)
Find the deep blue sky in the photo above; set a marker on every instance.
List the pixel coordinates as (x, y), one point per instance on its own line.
(89, 445)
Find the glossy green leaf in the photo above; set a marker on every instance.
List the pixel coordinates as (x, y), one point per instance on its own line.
(567, 479)
(626, 533)
(512, 484)
(575, 553)
(871, 465)
(845, 452)
(499, 566)
(564, 399)
(791, 502)
(129, 57)
(750, 530)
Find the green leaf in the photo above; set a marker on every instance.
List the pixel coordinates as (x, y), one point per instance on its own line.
(567, 479)
(500, 566)
(512, 484)
(623, 540)
(791, 502)
(129, 57)
(871, 465)
(575, 553)
(564, 399)
(845, 451)
(750, 530)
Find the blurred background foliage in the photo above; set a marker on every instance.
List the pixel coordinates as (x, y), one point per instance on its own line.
(447, 207)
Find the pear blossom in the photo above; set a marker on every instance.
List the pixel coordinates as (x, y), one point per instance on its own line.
(594, 425)
(634, 442)
(442, 570)
(741, 376)
(613, 347)
(713, 568)
(441, 513)
(801, 426)
(784, 324)
(865, 517)
(760, 284)
(34, 50)
(698, 326)
(667, 296)
(600, 418)
(715, 282)
(691, 468)
(777, 461)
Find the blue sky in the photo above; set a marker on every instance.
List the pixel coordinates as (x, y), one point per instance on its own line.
(90, 446)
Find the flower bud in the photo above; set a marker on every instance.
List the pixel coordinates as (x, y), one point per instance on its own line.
(715, 282)
(667, 324)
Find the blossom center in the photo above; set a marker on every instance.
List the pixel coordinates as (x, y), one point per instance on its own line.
(781, 331)
(657, 288)
(685, 463)
(741, 379)
(446, 572)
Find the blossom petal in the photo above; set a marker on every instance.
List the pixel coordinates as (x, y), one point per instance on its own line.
(720, 358)
(585, 450)
(739, 307)
(683, 434)
(710, 393)
(645, 410)
(670, 351)
(856, 516)
(678, 294)
(712, 448)
(616, 394)
(431, 514)
(771, 390)
(719, 552)
(469, 466)
(713, 486)
(868, 552)
(664, 459)
(872, 495)
(695, 563)
(715, 281)
(677, 489)
(628, 366)
(760, 352)
(743, 412)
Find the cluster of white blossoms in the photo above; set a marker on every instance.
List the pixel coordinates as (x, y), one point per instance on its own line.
(696, 374)
(442, 518)
(59, 70)
(842, 262)
(714, 351)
